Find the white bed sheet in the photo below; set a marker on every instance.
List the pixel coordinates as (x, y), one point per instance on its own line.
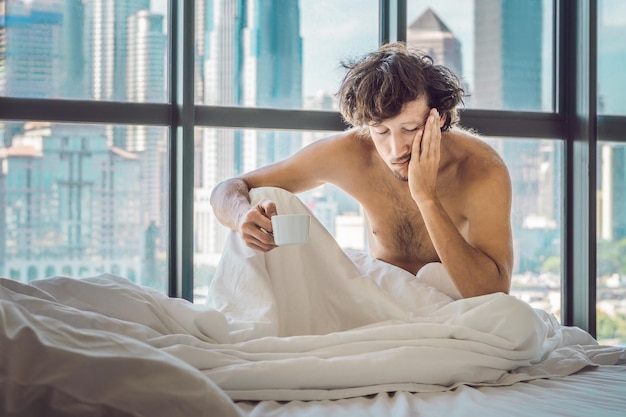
(595, 392)
(293, 326)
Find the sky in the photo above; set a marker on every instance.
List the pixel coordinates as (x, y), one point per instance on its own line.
(612, 55)
(335, 30)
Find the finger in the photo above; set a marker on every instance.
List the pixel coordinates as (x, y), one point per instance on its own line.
(426, 139)
(259, 246)
(417, 143)
(257, 234)
(430, 147)
(267, 207)
(270, 209)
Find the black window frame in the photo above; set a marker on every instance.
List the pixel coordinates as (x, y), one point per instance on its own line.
(575, 122)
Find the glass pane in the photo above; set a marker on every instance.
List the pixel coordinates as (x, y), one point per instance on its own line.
(611, 216)
(278, 54)
(501, 49)
(536, 219)
(535, 166)
(114, 50)
(611, 57)
(80, 200)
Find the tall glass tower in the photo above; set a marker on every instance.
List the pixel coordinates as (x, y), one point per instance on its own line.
(432, 36)
(508, 75)
(508, 36)
(106, 46)
(252, 57)
(31, 57)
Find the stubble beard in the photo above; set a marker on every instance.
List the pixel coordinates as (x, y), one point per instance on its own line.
(397, 173)
(399, 176)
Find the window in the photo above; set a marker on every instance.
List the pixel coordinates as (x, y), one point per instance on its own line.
(278, 54)
(502, 53)
(114, 50)
(535, 167)
(501, 50)
(74, 203)
(156, 92)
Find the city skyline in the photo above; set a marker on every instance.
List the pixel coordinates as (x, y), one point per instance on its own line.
(259, 58)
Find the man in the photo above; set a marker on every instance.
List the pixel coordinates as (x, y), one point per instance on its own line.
(431, 191)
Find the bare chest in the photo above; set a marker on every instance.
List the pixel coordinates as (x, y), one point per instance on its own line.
(397, 233)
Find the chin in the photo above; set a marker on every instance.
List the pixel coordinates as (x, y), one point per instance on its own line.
(399, 175)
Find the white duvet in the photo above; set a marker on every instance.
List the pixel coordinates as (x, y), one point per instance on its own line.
(302, 322)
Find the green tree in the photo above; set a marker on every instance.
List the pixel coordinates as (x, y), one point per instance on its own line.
(612, 257)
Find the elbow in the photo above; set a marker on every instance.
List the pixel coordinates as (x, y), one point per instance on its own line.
(498, 281)
(502, 282)
(227, 187)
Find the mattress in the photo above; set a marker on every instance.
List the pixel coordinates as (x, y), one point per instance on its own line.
(597, 392)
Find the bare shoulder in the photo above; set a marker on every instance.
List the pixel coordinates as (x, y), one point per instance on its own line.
(479, 162)
(343, 151)
(482, 174)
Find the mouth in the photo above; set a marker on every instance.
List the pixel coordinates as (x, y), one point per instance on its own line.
(401, 162)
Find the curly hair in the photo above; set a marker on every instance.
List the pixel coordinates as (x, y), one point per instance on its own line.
(378, 85)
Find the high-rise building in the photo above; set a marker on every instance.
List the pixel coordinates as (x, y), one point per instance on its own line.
(252, 57)
(508, 69)
(145, 82)
(77, 200)
(70, 204)
(612, 198)
(106, 46)
(145, 57)
(431, 35)
(30, 62)
(72, 48)
(508, 36)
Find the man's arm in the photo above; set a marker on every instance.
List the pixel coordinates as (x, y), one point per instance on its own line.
(482, 263)
(308, 168)
(230, 200)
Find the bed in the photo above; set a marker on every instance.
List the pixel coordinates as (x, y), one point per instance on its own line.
(298, 331)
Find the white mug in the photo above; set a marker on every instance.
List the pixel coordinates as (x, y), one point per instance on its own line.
(291, 229)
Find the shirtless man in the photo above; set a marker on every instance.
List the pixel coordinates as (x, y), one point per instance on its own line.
(431, 191)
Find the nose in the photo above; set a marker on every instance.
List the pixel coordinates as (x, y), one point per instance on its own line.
(399, 147)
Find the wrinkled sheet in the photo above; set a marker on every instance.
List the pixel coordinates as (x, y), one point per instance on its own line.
(301, 322)
(314, 322)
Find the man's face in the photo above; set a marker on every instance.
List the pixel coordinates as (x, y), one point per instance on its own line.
(394, 137)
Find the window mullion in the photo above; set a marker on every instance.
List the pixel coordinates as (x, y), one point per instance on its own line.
(579, 89)
(392, 21)
(181, 148)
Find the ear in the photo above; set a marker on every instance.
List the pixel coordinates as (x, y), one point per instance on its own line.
(442, 120)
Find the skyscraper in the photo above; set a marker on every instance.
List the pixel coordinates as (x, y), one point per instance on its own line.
(508, 68)
(70, 204)
(77, 199)
(145, 82)
(106, 44)
(431, 35)
(30, 60)
(508, 36)
(72, 48)
(612, 184)
(252, 57)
